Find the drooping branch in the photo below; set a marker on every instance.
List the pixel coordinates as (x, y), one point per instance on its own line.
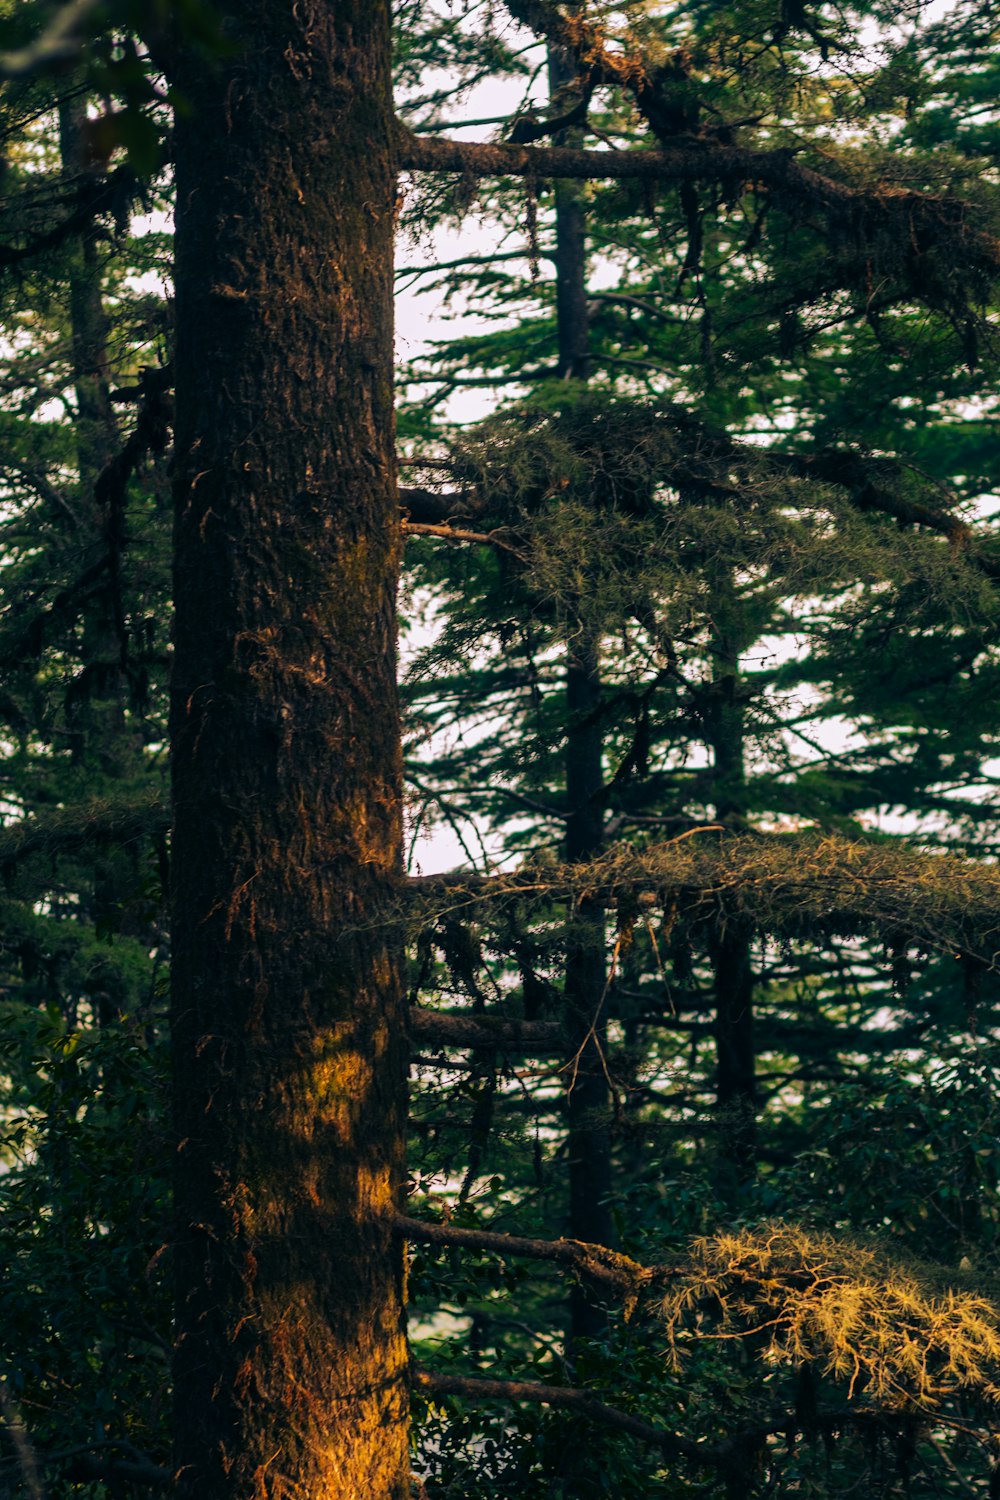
(95, 196)
(729, 1457)
(29, 629)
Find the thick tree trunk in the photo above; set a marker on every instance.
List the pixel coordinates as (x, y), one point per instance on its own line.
(588, 1099)
(287, 1006)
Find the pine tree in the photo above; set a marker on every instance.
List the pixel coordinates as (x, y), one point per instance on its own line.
(636, 547)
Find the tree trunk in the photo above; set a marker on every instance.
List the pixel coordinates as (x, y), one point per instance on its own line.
(289, 1054)
(732, 968)
(95, 428)
(96, 703)
(571, 245)
(588, 1099)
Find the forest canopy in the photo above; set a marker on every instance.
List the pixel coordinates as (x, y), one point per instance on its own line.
(500, 916)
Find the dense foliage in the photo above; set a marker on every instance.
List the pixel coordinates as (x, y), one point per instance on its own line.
(701, 588)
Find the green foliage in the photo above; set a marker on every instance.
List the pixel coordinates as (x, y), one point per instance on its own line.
(766, 519)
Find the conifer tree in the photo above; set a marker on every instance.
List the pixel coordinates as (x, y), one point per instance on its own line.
(629, 542)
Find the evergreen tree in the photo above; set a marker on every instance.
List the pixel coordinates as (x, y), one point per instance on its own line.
(741, 487)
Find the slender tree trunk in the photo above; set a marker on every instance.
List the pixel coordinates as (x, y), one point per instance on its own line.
(96, 706)
(731, 957)
(571, 246)
(289, 1082)
(95, 429)
(588, 1100)
(589, 1097)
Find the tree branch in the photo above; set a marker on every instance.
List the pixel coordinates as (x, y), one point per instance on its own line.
(781, 883)
(608, 1268)
(924, 222)
(693, 161)
(66, 829)
(729, 1456)
(93, 198)
(459, 1029)
(478, 1388)
(456, 534)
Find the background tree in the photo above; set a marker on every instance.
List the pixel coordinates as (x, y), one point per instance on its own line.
(733, 594)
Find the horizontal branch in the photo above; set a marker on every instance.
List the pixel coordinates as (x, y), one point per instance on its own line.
(84, 825)
(459, 1029)
(925, 222)
(458, 534)
(789, 884)
(731, 1456)
(608, 1268)
(478, 1388)
(692, 162)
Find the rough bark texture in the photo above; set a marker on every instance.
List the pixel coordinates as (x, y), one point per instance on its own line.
(289, 1034)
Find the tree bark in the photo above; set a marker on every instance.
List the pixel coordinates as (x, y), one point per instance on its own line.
(288, 1024)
